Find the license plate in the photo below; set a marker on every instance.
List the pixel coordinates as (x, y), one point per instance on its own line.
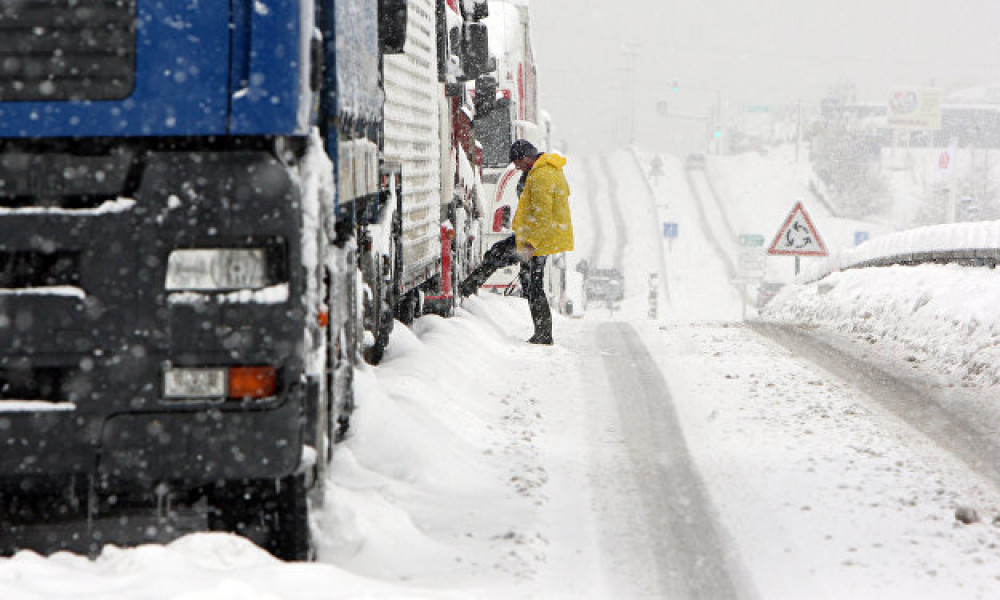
(194, 383)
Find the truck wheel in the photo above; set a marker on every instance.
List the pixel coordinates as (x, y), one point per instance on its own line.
(444, 306)
(410, 307)
(341, 384)
(378, 317)
(287, 511)
(272, 514)
(343, 348)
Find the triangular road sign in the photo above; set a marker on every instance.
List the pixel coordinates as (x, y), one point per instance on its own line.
(798, 236)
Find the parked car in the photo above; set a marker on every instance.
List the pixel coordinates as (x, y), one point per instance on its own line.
(604, 284)
(695, 161)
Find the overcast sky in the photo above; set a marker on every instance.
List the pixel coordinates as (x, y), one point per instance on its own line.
(759, 52)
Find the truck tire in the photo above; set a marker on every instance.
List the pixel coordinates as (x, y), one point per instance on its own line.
(287, 511)
(378, 316)
(410, 307)
(341, 382)
(443, 306)
(274, 514)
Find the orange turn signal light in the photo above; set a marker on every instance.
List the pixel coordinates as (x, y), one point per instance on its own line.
(252, 382)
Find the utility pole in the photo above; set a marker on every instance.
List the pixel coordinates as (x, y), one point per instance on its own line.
(630, 54)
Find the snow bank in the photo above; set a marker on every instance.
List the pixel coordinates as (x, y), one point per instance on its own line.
(947, 312)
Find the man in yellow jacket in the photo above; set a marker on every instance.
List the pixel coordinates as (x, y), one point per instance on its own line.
(542, 226)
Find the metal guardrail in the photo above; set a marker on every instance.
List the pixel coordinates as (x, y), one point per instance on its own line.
(970, 257)
(972, 243)
(984, 257)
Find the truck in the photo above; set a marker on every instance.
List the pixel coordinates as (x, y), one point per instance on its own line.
(507, 109)
(429, 136)
(206, 218)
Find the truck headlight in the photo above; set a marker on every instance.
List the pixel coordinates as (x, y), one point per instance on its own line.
(215, 269)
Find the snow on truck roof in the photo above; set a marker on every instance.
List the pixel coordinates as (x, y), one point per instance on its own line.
(504, 23)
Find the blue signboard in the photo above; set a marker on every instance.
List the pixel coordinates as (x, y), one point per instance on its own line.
(860, 237)
(670, 230)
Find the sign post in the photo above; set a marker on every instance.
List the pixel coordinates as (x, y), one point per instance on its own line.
(946, 164)
(797, 237)
(670, 232)
(752, 263)
(752, 255)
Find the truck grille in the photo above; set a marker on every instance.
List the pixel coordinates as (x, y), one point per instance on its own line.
(67, 49)
(47, 384)
(20, 270)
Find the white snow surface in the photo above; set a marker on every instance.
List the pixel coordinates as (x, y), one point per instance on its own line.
(273, 294)
(69, 291)
(477, 465)
(117, 205)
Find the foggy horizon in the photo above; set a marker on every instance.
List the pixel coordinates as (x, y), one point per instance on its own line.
(771, 54)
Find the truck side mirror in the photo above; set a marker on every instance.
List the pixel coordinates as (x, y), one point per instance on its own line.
(486, 94)
(475, 49)
(475, 10)
(495, 129)
(480, 9)
(392, 18)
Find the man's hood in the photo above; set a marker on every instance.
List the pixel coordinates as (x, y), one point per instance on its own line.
(550, 160)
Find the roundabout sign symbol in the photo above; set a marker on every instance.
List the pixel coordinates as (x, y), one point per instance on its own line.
(798, 236)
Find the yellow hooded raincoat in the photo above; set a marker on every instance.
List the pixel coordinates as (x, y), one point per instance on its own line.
(542, 217)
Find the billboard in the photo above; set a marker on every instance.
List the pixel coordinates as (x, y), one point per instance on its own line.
(914, 108)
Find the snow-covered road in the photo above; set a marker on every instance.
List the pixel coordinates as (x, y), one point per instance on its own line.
(683, 555)
(686, 456)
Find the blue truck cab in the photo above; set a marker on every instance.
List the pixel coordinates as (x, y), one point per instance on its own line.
(155, 266)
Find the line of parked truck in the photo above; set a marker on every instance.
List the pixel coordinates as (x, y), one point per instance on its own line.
(209, 212)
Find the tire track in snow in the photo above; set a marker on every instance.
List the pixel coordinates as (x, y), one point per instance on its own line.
(618, 244)
(595, 220)
(706, 222)
(913, 403)
(690, 554)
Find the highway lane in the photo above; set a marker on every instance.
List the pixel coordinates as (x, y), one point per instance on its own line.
(662, 517)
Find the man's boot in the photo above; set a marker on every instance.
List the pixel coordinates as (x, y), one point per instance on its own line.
(471, 284)
(541, 317)
(498, 256)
